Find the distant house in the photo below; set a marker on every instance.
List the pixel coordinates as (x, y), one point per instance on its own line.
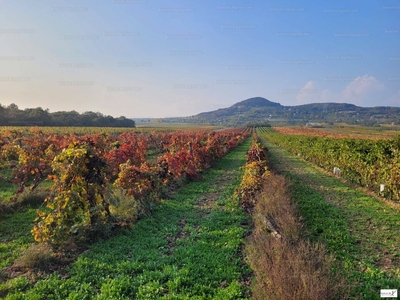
(315, 125)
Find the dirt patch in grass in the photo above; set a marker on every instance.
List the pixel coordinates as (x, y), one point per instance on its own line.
(207, 200)
(182, 233)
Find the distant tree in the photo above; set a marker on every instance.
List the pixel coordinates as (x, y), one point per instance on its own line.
(3, 116)
(12, 115)
(38, 116)
(13, 107)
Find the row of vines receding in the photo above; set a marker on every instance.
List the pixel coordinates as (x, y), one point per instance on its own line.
(369, 163)
(255, 172)
(102, 181)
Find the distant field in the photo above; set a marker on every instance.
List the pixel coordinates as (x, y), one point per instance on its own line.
(338, 130)
(177, 126)
(68, 130)
(384, 131)
(343, 131)
(141, 128)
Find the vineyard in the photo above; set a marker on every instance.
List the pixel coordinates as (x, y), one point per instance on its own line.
(194, 214)
(87, 185)
(369, 163)
(357, 228)
(97, 161)
(166, 128)
(342, 132)
(323, 132)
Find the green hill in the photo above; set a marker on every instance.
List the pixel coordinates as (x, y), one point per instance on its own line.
(259, 109)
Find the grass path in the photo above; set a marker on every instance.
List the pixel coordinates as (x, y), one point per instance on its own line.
(15, 233)
(361, 232)
(189, 249)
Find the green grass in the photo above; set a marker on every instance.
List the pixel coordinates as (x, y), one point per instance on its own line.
(15, 234)
(188, 249)
(15, 229)
(7, 188)
(360, 231)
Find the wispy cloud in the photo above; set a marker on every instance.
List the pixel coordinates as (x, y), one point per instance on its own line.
(308, 93)
(362, 87)
(362, 90)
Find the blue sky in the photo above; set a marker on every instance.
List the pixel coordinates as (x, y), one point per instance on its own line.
(156, 58)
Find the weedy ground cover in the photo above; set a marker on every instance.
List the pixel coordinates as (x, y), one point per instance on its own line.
(358, 230)
(190, 248)
(285, 264)
(7, 188)
(15, 236)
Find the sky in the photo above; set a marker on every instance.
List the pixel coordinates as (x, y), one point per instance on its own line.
(159, 58)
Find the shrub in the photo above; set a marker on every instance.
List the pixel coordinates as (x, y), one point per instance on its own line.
(78, 207)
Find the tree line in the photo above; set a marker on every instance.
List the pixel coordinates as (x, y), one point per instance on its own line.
(11, 115)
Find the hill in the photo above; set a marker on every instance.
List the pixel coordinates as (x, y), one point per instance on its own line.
(259, 109)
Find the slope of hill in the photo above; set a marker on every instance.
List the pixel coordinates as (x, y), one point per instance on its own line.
(259, 109)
